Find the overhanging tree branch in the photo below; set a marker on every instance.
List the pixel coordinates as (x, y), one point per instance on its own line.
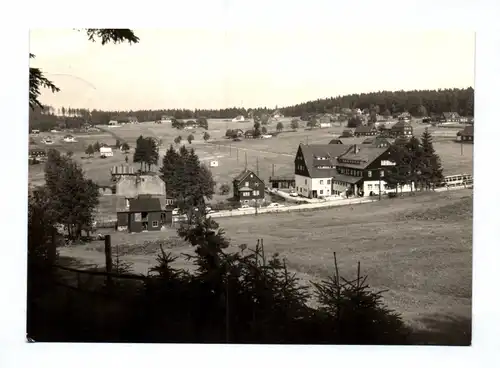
(39, 81)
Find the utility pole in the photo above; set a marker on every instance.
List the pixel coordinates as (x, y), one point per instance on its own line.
(379, 186)
(307, 140)
(257, 165)
(230, 149)
(461, 147)
(237, 155)
(246, 161)
(272, 171)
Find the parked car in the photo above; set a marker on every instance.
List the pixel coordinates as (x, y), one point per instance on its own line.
(275, 205)
(244, 207)
(293, 194)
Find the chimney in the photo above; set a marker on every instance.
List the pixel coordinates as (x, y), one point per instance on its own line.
(356, 149)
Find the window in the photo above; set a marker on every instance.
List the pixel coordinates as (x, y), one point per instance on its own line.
(247, 184)
(321, 181)
(370, 186)
(128, 203)
(321, 191)
(328, 181)
(381, 173)
(305, 181)
(155, 223)
(255, 192)
(246, 194)
(137, 217)
(369, 174)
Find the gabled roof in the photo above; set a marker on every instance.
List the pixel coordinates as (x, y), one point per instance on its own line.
(365, 129)
(468, 131)
(243, 175)
(450, 114)
(346, 178)
(363, 155)
(401, 125)
(375, 141)
(145, 203)
(330, 152)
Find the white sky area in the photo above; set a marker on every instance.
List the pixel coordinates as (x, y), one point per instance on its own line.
(217, 68)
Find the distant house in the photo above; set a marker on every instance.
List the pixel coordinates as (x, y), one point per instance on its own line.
(365, 130)
(404, 117)
(335, 141)
(214, 163)
(239, 118)
(266, 136)
(106, 152)
(113, 123)
(35, 131)
(133, 120)
(144, 213)
(325, 122)
(379, 142)
(277, 114)
(47, 140)
(282, 182)
(467, 134)
(166, 119)
(69, 139)
(347, 133)
(249, 134)
(248, 187)
(37, 152)
(401, 129)
(450, 117)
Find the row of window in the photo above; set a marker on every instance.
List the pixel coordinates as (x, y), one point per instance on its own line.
(254, 193)
(327, 182)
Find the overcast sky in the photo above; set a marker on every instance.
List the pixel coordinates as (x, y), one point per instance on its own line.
(216, 68)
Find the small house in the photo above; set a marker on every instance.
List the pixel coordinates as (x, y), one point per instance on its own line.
(47, 140)
(346, 133)
(450, 117)
(69, 139)
(467, 134)
(282, 182)
(35, 131)
(266, 136)
(143, 213)
(248, 187)
(113, 123)
(166, 119)
(239, 118)
(214, 163)
(249, 134)
(106, 152)
(37, 152)
(365, 130)
(335, 141)
(402, 129)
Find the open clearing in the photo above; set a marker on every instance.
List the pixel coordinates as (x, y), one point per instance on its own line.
(418, 248)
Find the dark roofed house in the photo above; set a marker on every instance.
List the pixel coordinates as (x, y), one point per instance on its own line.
(467, 134)
(314, 166)
(37, 152)
(282, 181)
(248, 187)
(144, 213)
(347, 133)
(365, 130)
(379, 142)
(450, 117)
(402, 129)
(335, 141)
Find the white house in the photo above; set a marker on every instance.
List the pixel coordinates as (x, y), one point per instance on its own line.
(315, 165)
(266, 136)
(47, 140)
(239, 118)
(214, 163)
(106, 152)
(325, 125)
(113, 123)
(69, 139)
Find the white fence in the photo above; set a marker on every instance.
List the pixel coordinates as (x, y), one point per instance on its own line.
(300, 207)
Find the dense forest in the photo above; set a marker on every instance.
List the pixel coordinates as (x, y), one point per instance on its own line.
(417, 103)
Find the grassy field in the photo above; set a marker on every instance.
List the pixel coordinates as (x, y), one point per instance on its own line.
(418, 248)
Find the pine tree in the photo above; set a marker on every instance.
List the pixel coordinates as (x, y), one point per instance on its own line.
(431, 169)
(90, 150)
(140, 153)
(168, 171)
(413, 159)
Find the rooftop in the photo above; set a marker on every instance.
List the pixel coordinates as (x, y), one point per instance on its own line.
(145, 203)
(360, 156)
(316, 155)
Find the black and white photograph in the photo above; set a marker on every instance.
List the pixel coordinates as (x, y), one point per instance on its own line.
(250, 187)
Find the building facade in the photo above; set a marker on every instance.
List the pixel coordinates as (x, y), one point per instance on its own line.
(248, 187)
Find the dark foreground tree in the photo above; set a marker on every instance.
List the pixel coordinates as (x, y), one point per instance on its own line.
(73, 197)
(431, 168)
(38, 81)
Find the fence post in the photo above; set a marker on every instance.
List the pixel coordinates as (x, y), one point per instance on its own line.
(109, 259)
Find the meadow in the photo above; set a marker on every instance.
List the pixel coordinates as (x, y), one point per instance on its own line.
(265, 156)
(417, 248)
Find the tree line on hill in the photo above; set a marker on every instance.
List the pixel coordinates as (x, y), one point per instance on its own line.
(417, 103)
